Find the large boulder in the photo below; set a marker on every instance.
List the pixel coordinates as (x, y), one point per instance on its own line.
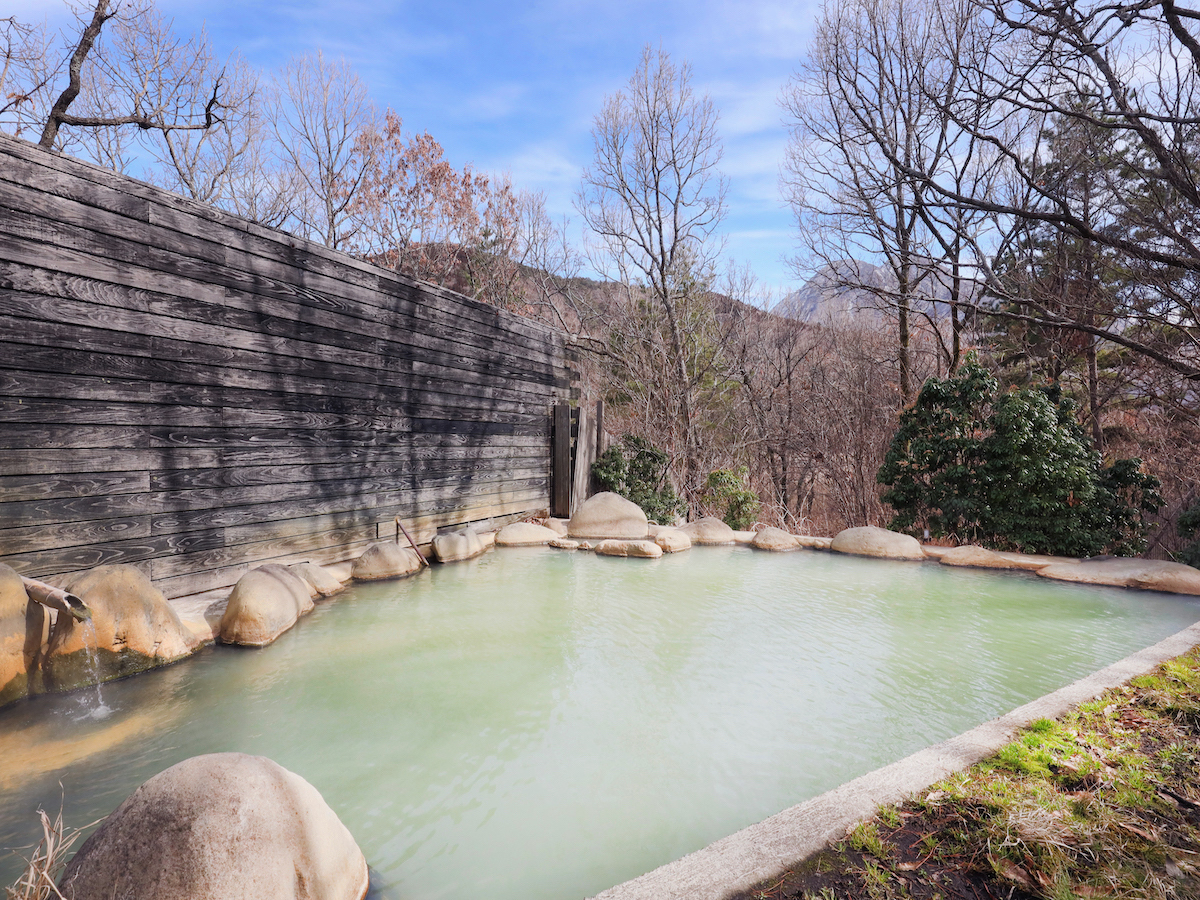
(879, 542)
(455, 546)
(384, 560)
(15, 624)
(672, 540)
(710, 531)
(226, 826)
(525, 534)
(132, 628)
(1145, 574)
(776, 539)
(609, 515)
(634, 549)
(321, 582)
(264, 604)
(1034, 561)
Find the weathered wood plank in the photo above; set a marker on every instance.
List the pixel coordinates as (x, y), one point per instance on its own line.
(39, 321)
(271, 246)
(60, 560)
(306, 252)
(95, 531)
(185, 399)
(434, 337)
(259, 317)
(285, 473)
(409, 500)
(18, 436)
(233, 554)
(345, 494)
(400, 449)
(14, 488)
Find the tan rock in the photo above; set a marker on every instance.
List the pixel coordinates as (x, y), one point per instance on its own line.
(776, 539)
(744, 537)
(709, 531)
(811, 542)
(15, 657)
(972, 556)
(384, 560)
(609, 515)
(672, 540)
(1034, 561)
(225, 826)
(869, 540)
(132, 629)
(633, 549)
(525, 534)
(321, 582)
(559, 525)
(1145, 574)
(456, 546)
(564, 544)
(265, 603)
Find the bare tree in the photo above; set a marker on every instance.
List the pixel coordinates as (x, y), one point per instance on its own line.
(652, 200)
(25, 75)
(202, 164)
(867, 107)
(144, 77)
(1129, 68)
(324, 122)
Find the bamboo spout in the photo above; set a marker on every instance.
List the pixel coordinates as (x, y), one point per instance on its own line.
(56, 599)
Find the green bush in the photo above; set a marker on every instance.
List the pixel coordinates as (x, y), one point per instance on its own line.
(637, 470)
(1011, 469)
(728, 487)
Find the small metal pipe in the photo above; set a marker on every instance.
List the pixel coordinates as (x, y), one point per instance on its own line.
(56, 598)
(417, 550)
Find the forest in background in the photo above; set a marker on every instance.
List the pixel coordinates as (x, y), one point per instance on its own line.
(1011, 178)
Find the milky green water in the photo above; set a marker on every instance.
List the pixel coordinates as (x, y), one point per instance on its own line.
(539, 724)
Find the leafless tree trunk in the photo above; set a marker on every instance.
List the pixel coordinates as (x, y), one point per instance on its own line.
(147, 78)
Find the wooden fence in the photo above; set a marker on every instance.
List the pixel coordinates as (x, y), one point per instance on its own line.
(189, 392)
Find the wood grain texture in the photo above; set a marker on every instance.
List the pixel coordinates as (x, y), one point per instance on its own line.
(196, 394)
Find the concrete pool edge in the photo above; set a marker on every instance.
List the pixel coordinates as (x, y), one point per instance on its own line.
(769, 848)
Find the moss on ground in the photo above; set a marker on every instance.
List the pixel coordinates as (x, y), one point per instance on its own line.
(1104, 802)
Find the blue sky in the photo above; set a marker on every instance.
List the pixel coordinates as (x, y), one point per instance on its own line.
(514, 86)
